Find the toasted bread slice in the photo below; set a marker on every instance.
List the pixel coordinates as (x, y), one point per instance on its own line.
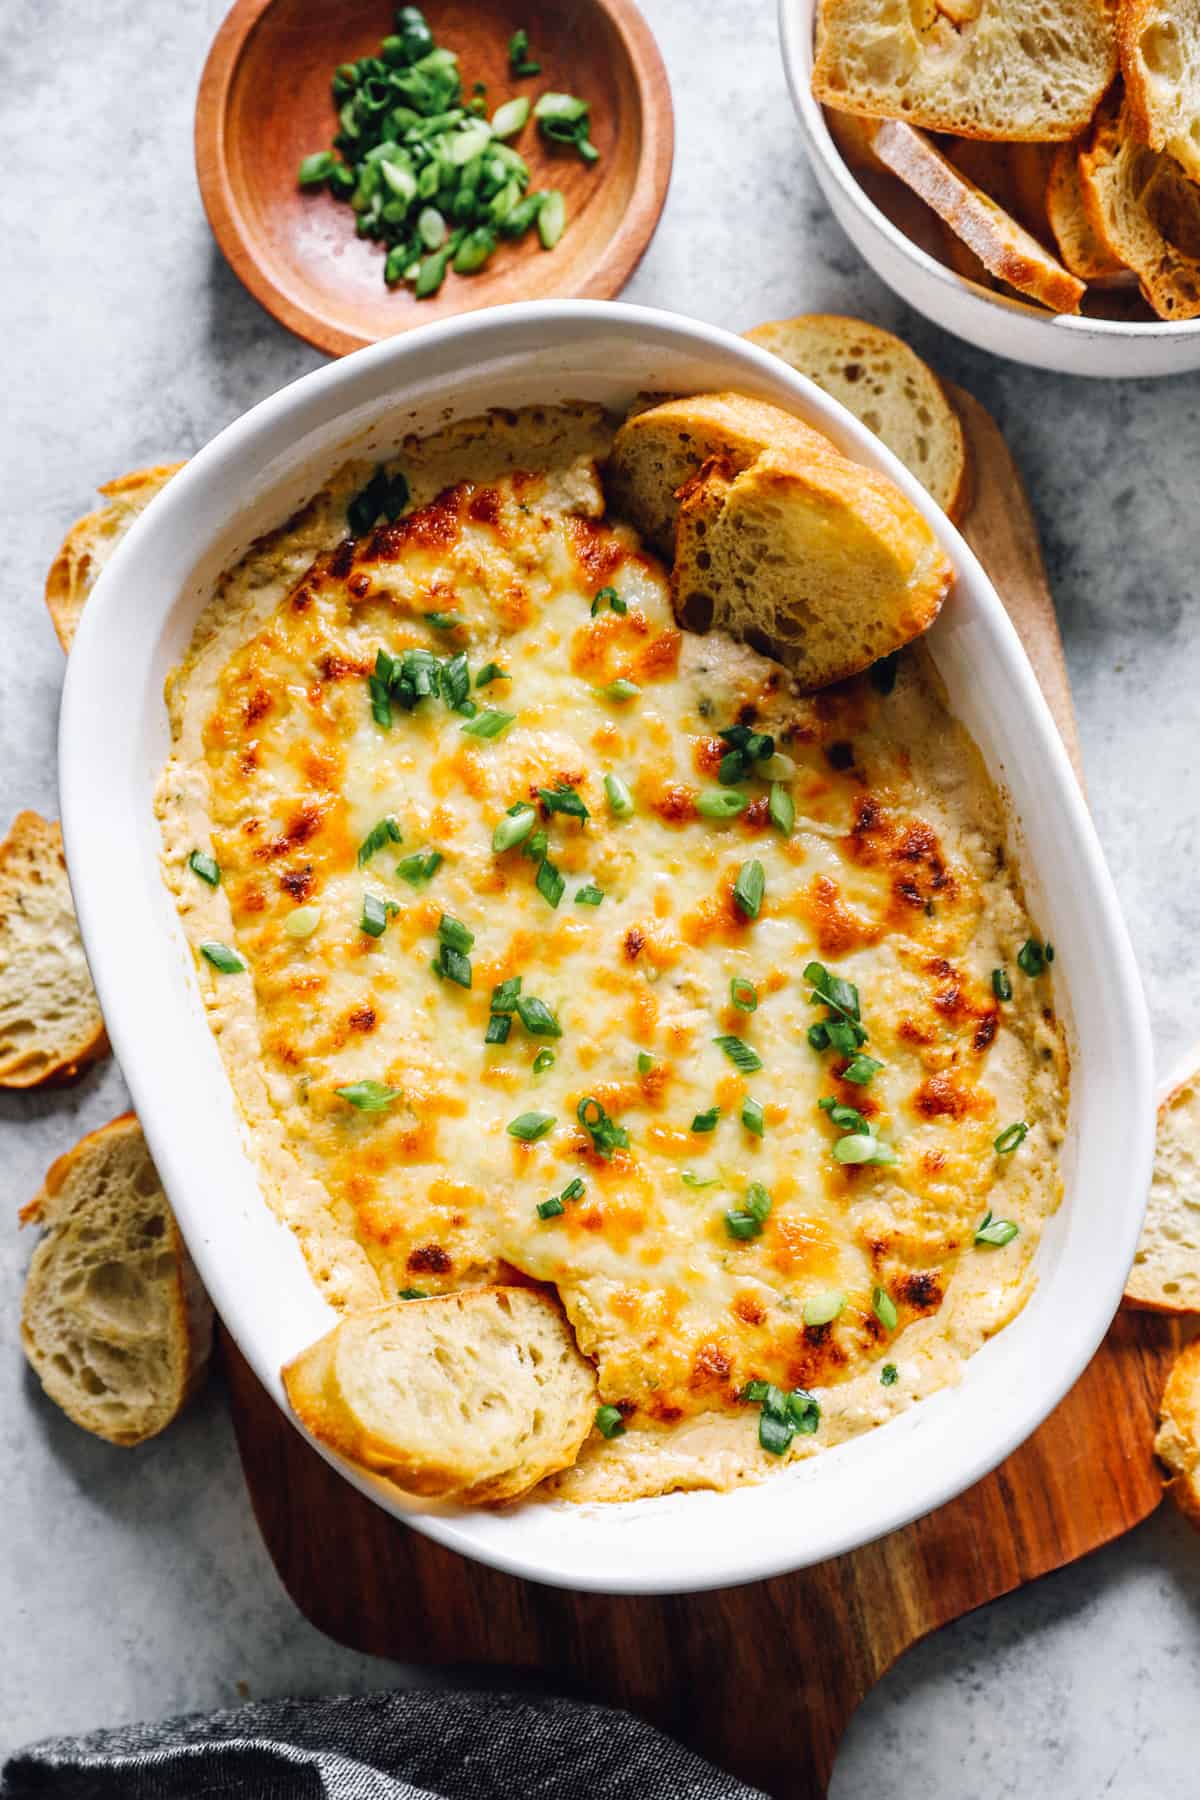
(1145, 212)
(1166, 1269)
(473, 1396)
(1079, 243)
(1011, 69)
(91, 541)
(1013, 175)
(1160, 60)
(1004, 247)
(888, 387)
(816, 559)
(50, 1024)
(1178, 1440)
(657, 451)
(115, 1322)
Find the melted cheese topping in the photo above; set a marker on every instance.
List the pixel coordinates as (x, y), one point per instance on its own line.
(894, 875)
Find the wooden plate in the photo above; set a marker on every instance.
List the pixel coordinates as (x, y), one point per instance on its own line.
(265, 101)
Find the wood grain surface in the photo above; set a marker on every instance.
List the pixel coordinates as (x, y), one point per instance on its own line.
(264, 102)
(761, 1679)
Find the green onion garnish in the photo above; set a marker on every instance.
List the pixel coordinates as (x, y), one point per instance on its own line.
(563, 119)
(706, 1121)
(542, 1061)
(860, 1069)
(498, 1027)
(752, 1116)
(690, 1179)
(743, 993)
(607, 596)
(223, 958)
(781, 808)
(504, 995)
(551, 217)
(609, 1422)
(550, 1209)
(823, 1309)
(861, 1147)
(1011, 1137)
(1001, 985)
(316, 169)
(368, 1096)
(303, 922)
(549, 882)
(376, 911)
(590, 895)
(605, 1133)
(444, 621)
(563, 799)
(884, 1308)
(509, 118)
(385, 832)
(889, 1375)
(513, 828)
(645, 1062)
(748, 1220)
(743, 1058)
(721, 803)
(456, 685)
(536, 1017)
(530, 1126)
(619, 690)
(451, 965)
(453, 932)
(748, 889)
(784, 1416)
(412, 1294)
(519, 60)
(383, 497)
(205, 866)
(995, 1231)
(620, 800)
(1033, 956)
(574, 1190)
(420, 867)
(491, 672)
(489, 723)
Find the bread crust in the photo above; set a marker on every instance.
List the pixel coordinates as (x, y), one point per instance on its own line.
(1134, 19)
(1122, 180)
(33, 851)
(1143, 1291)
(92, 540)
(1002, 245)
(1177, 1444)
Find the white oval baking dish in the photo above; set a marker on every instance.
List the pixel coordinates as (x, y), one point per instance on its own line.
(1002, 323)
(114, 739)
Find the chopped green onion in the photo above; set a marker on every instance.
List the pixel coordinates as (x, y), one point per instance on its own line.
(1001, 985)
(551, 218)
(223, 958)
(645, 1062)
(563, 119)
(491, 672)
(498, 1027)
(1011, 1138)
(453, 932)
(316, 169)
(721, 803)
(861, 1147)
(590, 895)
(549, 882)
(748, 1220)
(889, 1375)
(456, 684)
(420, 867)
(384, 496)
(608, 596)
(574, 1190)
(997, 1232)
(620, 800)
(1032, 957)
(781, 809)
(205, 866)
(743, 993)
(758, 1201)
(690, 1179)
(368, 1096)
(303, 922)
(431, 228)
(742, 1225)
(860, 1069)
(542, 1061)
(845, 1117)
(504, 995)
(513, 828)
(489, 724)
(748, 889)
(777, 768)
(412, 1294)
(752, 1116)
(621, 689)
(804, 1411)
(530, 1126)
(884, 1308)
(519, 61)
(452, 965)
(563, 799)
(743, 1058)
(509, 118)
(706, 1121)
(550, 1209)
(605, 1133)
(536, 1017)
(385, 832)
(609, 1422)
(823, 1308)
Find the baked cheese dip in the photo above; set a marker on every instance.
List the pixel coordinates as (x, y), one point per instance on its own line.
(545, 940)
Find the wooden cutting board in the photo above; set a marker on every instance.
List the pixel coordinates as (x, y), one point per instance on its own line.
(760, 1679)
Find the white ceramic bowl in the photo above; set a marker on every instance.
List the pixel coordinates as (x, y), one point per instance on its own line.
(997, 322)
(114, 739)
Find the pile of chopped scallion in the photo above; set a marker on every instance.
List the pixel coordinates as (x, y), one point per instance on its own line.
(428, 173)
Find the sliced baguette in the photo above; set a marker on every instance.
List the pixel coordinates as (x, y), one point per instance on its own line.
(1004, 247)
(1146, 213)
(473, 1396)
(1178, 1440)
(114, 1322)
(50, 1024)
(1080, 244)
(1166, 1268)
(91, 541)
(888, 387)
(660, 449)
(1010, 69)
(1160, 60)
(1013, 175)
(816, 559)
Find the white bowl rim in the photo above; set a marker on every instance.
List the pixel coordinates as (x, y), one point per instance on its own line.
(797, 21)
(246, 445)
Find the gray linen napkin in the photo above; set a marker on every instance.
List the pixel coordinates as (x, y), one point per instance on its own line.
(394, 1746)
